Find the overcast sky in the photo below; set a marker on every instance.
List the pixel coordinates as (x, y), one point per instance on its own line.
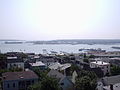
(59, 19)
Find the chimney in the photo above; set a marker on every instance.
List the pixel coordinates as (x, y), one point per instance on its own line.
(65, 72)
(4, 77)
(96, 61)
(111, 87)
(102, 62)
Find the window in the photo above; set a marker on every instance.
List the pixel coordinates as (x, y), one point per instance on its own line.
(14, 64)
(8, 85)
(13, 84)
(102, 67)
(62, 83)
(33, 81)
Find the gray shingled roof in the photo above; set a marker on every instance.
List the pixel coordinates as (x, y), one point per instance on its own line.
(19, 75)
(14, 60)
(111, 80)
(56, 74)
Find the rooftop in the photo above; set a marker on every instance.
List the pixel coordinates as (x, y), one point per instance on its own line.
(115, 87)
(100, 63)
(38, 63)
(56, 74)
(111, 80)
(11, 57)
(59, 66)
(19, 75)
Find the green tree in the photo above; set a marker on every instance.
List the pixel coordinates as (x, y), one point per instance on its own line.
(36, 86)
(86, 80)
(3, 57)
(47, 83)
(41, 73)
(86, 60)
(115, 70)
(83, 83)
(92, 56)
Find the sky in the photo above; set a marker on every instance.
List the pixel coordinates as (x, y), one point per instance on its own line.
(59, 19)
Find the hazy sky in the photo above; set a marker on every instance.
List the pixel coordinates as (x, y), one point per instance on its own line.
(59, 19)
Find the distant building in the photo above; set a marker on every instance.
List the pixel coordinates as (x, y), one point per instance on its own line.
(38, 64)
(64, 82)
(58, 66)
(105, 67)
(14, 62)
(106, 54)
(18, 80)
(48, 60)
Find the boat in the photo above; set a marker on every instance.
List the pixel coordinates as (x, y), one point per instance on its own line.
(115, 47)
(97, 50)
(53, 52)
(13, 42)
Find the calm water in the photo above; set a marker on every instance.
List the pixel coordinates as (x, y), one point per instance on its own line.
(28, 47)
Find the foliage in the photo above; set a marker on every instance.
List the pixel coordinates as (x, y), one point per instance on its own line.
(70, 70)
(92, 56)
(90, 74)
(115, 70)
(86, 80)
(83, 83)
(41, 73)
(36, 86)
(47, 83)
(3, 57)
(84, 55)
(15, 69)
(86, 60)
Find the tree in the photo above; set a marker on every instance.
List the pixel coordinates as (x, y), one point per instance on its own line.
(3, 57)
(47, 83)
(36, 86)
(86, 80)
(83, 83)
(92, 56)
(115, 70)
(86, 60)
(41, 73)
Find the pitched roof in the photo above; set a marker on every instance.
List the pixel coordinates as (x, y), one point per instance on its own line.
(14, 60)
(59, 66)
(111, 80)
(115, 87)
(38, 63)
(56, 74)
(55, 66)
(19, 75)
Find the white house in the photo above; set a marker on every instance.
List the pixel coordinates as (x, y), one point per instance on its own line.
(58, 66)
(105, 67)
(38, 64)
(14, 62)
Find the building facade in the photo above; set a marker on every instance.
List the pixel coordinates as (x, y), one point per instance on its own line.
(18, 80)
(105, 67)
